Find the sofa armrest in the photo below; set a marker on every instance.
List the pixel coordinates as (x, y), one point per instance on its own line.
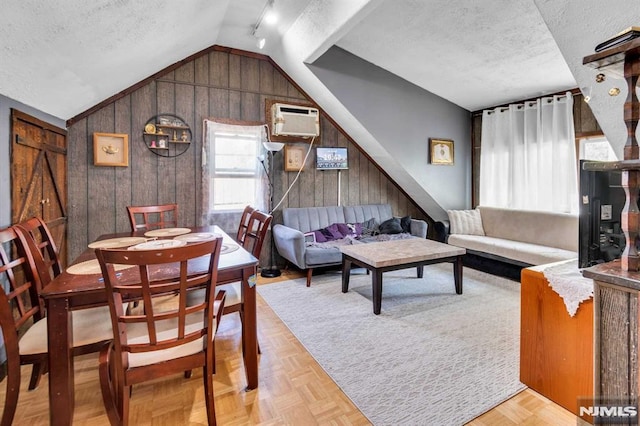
(419, 228)
(290, 244)
(442, 229)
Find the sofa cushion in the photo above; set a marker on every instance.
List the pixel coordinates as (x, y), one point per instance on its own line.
(467, 222)
(391, 226)
(314, 256)
(532, 254)
(536, 227)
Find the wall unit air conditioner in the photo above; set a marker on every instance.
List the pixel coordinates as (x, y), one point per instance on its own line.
(294, 120)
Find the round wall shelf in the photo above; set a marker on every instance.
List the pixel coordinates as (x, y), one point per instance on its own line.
(167, 135)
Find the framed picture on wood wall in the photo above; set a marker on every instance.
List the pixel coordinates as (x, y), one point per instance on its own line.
(441, 151)
(110, 149)
(293, 158)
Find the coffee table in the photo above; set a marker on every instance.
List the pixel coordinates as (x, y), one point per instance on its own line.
(387, 256)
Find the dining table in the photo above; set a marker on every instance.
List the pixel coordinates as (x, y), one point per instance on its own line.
(81, 286)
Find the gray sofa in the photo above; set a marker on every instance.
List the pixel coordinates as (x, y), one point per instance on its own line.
(289, 237)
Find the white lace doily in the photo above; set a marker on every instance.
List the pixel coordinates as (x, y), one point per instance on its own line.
(566, 279)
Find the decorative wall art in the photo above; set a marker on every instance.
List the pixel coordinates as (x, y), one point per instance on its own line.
(110, 149)
(441, 151)
(293, 158)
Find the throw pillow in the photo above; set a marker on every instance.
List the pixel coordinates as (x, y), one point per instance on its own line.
(468, 222)
(310, 237)
(391, 226)
(369, 228)
(320, 237)
(332, 232)
(405, 223)
(350, 229)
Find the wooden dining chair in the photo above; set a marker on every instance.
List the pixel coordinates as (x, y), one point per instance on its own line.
(162, 340)
(244, 223)
(146, 218)
(24, 323)
(92, 326)
(252, 237)
(39, 233)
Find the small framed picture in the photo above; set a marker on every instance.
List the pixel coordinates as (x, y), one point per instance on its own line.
(441, 151)
(110, 149)
(293, 158)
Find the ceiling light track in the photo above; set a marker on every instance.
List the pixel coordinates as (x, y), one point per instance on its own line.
(268, 9)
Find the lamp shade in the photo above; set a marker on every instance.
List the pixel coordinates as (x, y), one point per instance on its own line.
(273, 146)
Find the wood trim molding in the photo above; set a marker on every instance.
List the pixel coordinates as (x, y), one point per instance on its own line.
(160, 73)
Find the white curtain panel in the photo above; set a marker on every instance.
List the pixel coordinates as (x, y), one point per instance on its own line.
(528, 156)
(210, 129)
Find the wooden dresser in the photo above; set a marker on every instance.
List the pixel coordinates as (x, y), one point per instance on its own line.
(556, 350)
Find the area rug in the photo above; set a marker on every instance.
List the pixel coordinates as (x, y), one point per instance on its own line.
(430, 358)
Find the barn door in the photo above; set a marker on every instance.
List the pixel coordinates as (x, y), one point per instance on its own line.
(39, 174)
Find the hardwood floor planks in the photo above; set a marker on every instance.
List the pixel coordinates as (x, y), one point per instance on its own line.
(293, 389)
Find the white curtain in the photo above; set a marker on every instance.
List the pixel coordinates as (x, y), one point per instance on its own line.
(528, 156)
(258, 200)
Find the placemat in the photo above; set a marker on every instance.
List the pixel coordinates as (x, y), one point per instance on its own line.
(91, 267)
(167, 232)
(117, 242)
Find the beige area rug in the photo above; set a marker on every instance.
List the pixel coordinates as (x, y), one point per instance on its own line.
(430, 358)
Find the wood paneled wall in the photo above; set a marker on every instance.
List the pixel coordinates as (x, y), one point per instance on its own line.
(218, 83)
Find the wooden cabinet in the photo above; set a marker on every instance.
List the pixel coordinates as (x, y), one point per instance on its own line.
(167, 135)
(556, 350)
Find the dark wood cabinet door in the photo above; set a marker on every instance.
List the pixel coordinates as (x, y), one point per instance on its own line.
(38, 175)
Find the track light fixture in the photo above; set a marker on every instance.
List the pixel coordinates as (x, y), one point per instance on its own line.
(267, 15)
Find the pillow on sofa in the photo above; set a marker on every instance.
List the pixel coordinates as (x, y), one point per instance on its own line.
(405, 223)
(391, 226)
(369, 228)
(350, 229)
(468, 222)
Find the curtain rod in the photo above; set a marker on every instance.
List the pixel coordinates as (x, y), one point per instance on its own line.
(574, 92)
(521, 105)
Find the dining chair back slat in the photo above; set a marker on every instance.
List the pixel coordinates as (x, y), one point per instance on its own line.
(152, 217)
(244, 223)
(43, 248)
(19, 310)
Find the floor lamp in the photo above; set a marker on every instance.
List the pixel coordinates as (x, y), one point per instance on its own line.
(273, 147)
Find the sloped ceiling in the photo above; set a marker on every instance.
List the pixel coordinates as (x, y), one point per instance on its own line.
(64, 56)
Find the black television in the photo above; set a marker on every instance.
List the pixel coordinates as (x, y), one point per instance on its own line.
(602, 199)
(335, 158)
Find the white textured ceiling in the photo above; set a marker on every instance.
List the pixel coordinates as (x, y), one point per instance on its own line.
(65, 56)
(474, 54)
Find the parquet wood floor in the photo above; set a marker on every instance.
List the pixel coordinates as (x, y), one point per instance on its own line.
(294, 390)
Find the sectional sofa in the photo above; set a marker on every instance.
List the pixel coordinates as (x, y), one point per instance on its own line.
(508, 239)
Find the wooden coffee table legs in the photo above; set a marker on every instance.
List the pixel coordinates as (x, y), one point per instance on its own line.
(376, 279)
